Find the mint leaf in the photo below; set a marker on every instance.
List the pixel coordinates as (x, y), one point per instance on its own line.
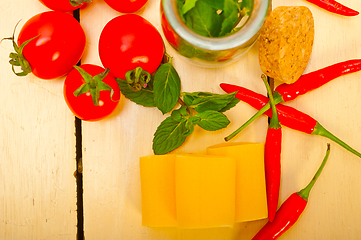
(190, 124)
(180, 115)
(230, 105)
(203, 101)
(167, 87)
(203, 19)
(188, 5)
(144, 97)
(169, 135)
(212, 120)
(189, 98)
(230, 14)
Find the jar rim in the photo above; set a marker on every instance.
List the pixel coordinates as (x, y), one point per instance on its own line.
(245, 34)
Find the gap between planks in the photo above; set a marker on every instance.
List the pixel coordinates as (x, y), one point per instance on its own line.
(79, 164)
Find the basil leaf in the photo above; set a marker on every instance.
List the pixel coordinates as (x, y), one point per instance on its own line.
(186, 50)
(169, 136)
(230, 15)
(246, 6)
(212, 120)
(167, 88)
(180, 4)
(144, 97)
(203, 19)
(217, 4)
(188, 5)
(209, 101)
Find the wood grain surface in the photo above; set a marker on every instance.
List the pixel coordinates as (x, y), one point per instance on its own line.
(37, 146)
(37, 141)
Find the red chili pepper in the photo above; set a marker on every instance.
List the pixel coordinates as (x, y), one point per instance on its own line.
(306, 83)
(272, 158)
(334, 7)
(316, 79)
(288, 116)
(291, 209)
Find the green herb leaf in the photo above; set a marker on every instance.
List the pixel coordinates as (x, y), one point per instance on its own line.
(230, 105)
(246, 6)
(186, 50)
(170, 135)
(144, 97)
(203, 101)
(217, 4)
(188, 5)
(212, 120)
(180, 4)
(203, 19)
(180, 115)
(190, 123)
(230, 14)
(167, 87)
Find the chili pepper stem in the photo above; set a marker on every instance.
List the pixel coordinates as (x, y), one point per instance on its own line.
(320, 130)
(254, 117)
(274, 120)
(304, 193)
(277, 98)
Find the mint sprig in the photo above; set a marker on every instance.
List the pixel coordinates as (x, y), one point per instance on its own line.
(167, 87)
(212, 120)
(163, 90)
(203, 101)
(169, 135)
(144, 96)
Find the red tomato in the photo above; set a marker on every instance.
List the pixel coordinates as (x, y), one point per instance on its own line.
(64, 5)
(82, 106)
(130, 41)
(58, 47)
(126, 6)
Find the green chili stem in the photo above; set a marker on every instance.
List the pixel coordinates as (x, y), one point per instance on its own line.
(304, 193)
(319, 130)
(274, 120)
(277, 98)
(254, 117)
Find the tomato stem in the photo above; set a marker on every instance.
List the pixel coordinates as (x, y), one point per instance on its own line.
(76, 3)
(93, 84)
(17, 58)
(137, 79)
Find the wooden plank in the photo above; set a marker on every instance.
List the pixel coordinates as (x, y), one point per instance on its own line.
(111, 148)
(37, 146)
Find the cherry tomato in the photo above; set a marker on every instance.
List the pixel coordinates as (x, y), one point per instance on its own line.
(83, 106)
(58, 43)
(64, 5)
(130, 41)
(126, 6)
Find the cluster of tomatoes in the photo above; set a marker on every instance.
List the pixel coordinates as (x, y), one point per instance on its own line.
(51, 44)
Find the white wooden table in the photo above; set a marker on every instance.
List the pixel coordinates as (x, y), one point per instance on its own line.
(38, 193)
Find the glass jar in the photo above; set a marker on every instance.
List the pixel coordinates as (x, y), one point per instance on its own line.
(212, 52)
